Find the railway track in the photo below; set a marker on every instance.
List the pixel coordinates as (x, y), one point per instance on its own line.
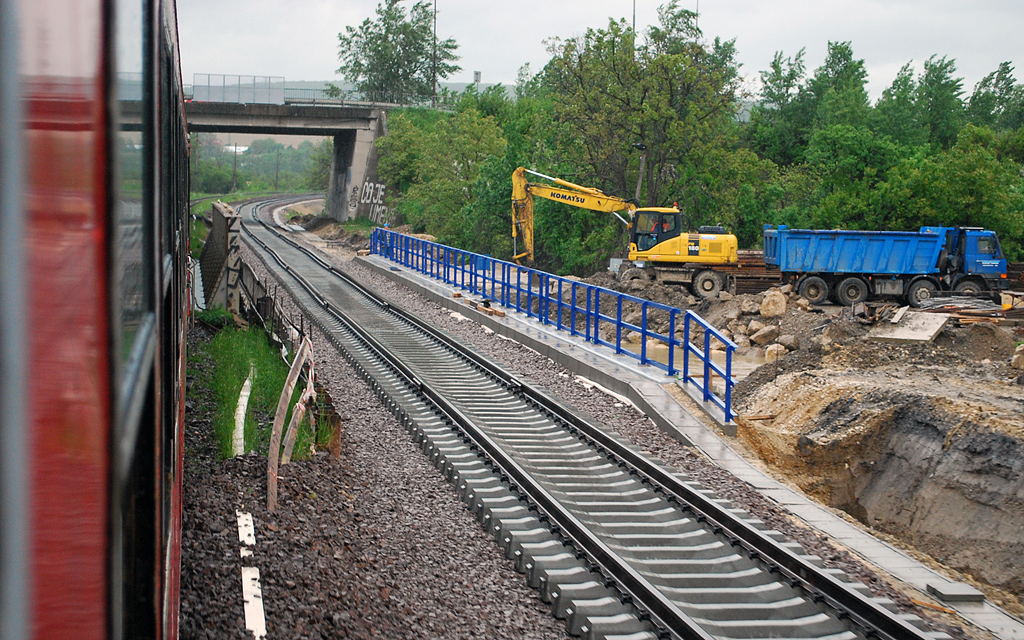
(619, 544)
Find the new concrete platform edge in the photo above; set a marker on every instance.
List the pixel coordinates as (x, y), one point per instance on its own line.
(647, 392)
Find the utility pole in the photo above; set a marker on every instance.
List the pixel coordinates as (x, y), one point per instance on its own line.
(234, 171)
(277, 169)
(634, 16)
(195, 161)
(433, 98)
(640, 174)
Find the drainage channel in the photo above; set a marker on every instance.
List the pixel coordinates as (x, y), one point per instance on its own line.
(620, 545)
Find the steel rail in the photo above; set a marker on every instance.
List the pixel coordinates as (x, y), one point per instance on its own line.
(651, 601)
(819, 584)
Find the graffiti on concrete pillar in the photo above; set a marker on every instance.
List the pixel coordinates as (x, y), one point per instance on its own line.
(372, 196)
(353, 199)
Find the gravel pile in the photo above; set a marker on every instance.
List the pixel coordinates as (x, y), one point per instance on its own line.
(376, 544)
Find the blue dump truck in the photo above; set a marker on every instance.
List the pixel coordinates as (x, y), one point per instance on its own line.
(851, 266)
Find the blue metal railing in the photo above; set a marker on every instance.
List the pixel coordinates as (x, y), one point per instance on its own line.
(579, 308)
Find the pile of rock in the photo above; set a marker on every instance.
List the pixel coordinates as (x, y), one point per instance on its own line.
(754, 325)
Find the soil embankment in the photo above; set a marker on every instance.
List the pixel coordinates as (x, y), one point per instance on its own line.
(924, 442)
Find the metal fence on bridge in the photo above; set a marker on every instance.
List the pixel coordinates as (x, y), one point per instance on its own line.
(215, 87)
(598, 315)
(211, 87)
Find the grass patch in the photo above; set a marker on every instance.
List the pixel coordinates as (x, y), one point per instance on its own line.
(359, 225)
(216, 317)
(233, 353)
(197, 237)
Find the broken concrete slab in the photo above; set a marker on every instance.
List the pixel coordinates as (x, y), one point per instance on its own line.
(913, 327)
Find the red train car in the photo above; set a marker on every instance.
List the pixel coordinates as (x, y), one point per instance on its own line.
(93, 305)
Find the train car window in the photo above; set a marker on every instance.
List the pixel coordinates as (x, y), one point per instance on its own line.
(132, 275)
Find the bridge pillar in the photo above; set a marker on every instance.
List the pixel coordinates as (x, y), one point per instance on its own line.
(354, 189)
(341, 175)
(220, 261)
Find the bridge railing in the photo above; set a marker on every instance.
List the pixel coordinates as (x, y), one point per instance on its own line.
(376, 98)
(646, 331)
(272, 90)
(216, 87)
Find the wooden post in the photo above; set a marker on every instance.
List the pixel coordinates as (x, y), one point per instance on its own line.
(275, 436)
(335, 445)
(308, 396)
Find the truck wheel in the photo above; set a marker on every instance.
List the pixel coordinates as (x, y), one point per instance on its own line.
(968, 286)
(919, 291)
(851, 291)
(635, 273)
(814, 289)
(707, 284)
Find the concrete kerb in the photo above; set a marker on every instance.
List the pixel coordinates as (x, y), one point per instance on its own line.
(645, 389)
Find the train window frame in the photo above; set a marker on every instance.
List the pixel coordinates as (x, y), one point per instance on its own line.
(14, 440)
(135, 351)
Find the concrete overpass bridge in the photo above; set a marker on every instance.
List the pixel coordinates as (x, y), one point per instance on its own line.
(354, 190)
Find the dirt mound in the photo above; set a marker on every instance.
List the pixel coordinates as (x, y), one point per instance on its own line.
(332, 231)
(981, 341)
(311, 222)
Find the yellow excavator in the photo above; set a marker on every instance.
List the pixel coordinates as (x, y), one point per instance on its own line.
(660, 247)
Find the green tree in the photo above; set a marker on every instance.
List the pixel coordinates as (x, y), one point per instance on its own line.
(781, 119)
(396, 54)
(896, 113)
(939, 101)
(998, 101)
(967, 185)
(318, 175)
(790, 110)
(448, 162)
(838, 88)
(849, 162)
(671, 93)
(264, 146)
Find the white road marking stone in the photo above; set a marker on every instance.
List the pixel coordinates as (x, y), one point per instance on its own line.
(238, 436)
(252, 594)
(255, 620)
(246, 529)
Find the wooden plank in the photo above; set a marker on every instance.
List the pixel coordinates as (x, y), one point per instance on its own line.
(274, 454)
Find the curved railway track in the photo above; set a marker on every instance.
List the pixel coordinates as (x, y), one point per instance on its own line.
(619, 544)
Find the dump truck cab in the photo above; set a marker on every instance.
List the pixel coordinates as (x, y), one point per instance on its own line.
(972, 254)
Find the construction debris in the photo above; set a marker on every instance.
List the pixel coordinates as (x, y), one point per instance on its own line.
(965, 310)
(912, 327)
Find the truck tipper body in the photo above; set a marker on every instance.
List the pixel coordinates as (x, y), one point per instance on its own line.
(852, 266)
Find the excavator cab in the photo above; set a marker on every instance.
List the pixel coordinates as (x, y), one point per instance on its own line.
(653, 227)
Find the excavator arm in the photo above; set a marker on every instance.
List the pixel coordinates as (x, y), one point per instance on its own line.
(567, 192)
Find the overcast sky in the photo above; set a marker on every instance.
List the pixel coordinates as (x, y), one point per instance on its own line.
(298, 39)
